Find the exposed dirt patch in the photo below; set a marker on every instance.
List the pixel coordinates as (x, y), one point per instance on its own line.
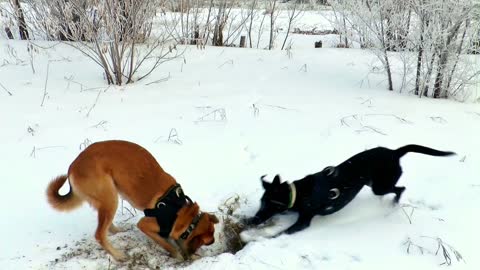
(143, 252)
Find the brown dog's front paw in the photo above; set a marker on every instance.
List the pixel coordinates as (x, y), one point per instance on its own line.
(123, 258)
(114, 229)
(178, 256)
(120, 256)
(195, 257)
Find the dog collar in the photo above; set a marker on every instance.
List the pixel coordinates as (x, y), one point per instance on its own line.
(192, 226)
(293, 195)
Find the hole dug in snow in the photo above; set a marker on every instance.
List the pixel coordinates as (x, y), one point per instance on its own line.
(144, 253)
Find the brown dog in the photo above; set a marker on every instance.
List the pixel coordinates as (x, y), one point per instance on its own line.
(106, 169)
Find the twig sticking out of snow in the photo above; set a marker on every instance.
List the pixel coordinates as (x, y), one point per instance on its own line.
(218, 115)
(402, 120)
(445, 248)
(304, 68)
(96, 100)
(6, 90)
(173, 137)
(101, 124)
(363, 128)
(160, 80)
(370, 128)
(256, 110)
(409, 243)
(31, 131)
(438, 119)
(226, 62)
(412, 209)
(45, 87)
(84, 144)
(82, 86)
(258, 105)
(35, 149)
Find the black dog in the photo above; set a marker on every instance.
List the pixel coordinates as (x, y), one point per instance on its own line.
(328, 191)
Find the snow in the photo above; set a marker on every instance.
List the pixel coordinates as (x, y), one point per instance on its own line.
(273, 114)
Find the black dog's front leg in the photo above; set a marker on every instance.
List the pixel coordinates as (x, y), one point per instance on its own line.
(303, 222)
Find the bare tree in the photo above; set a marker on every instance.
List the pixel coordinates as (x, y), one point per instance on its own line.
(293, 13)
(252, 15)
(367, 20)
(272, 10)
(439, 33)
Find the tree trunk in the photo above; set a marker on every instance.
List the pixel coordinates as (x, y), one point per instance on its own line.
(419, 67)
(345, 27)
(272, 25)
(419, 58)
(389, 72)
(405, 31)
(9, 32)
(22, 26)
(428, 76)
(459, 52)
(385, 54)
(438, 87)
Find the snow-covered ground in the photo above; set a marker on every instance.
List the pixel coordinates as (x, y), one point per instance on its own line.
(238, 114)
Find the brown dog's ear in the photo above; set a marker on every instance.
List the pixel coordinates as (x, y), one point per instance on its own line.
(213, 218)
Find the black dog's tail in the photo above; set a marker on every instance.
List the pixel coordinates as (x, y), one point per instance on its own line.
(422, 150)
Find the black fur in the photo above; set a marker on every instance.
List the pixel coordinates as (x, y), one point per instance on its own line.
(328, 191)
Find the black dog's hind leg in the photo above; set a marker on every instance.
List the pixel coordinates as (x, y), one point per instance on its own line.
(398, 193)
(303, 222)
(380, 191)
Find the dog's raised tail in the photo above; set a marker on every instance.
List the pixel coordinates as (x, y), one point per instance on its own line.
(422, 150)
(59, 202)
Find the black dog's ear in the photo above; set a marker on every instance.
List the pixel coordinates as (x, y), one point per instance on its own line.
(265, 184)
(276, 180)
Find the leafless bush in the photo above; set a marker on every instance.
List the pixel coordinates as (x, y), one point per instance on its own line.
(117, 35)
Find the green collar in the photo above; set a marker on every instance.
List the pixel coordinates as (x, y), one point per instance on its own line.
(293, 195)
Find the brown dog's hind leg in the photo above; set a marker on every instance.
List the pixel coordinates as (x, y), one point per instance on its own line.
(105, 218)
(106, 205)
(149, 226)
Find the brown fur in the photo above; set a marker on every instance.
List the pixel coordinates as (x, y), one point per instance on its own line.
(107, 169)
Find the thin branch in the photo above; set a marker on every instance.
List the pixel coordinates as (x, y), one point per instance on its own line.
(6, 90)
(45, 87)
(96, 100)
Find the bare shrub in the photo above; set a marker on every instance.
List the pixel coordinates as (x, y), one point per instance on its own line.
(117, 35)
